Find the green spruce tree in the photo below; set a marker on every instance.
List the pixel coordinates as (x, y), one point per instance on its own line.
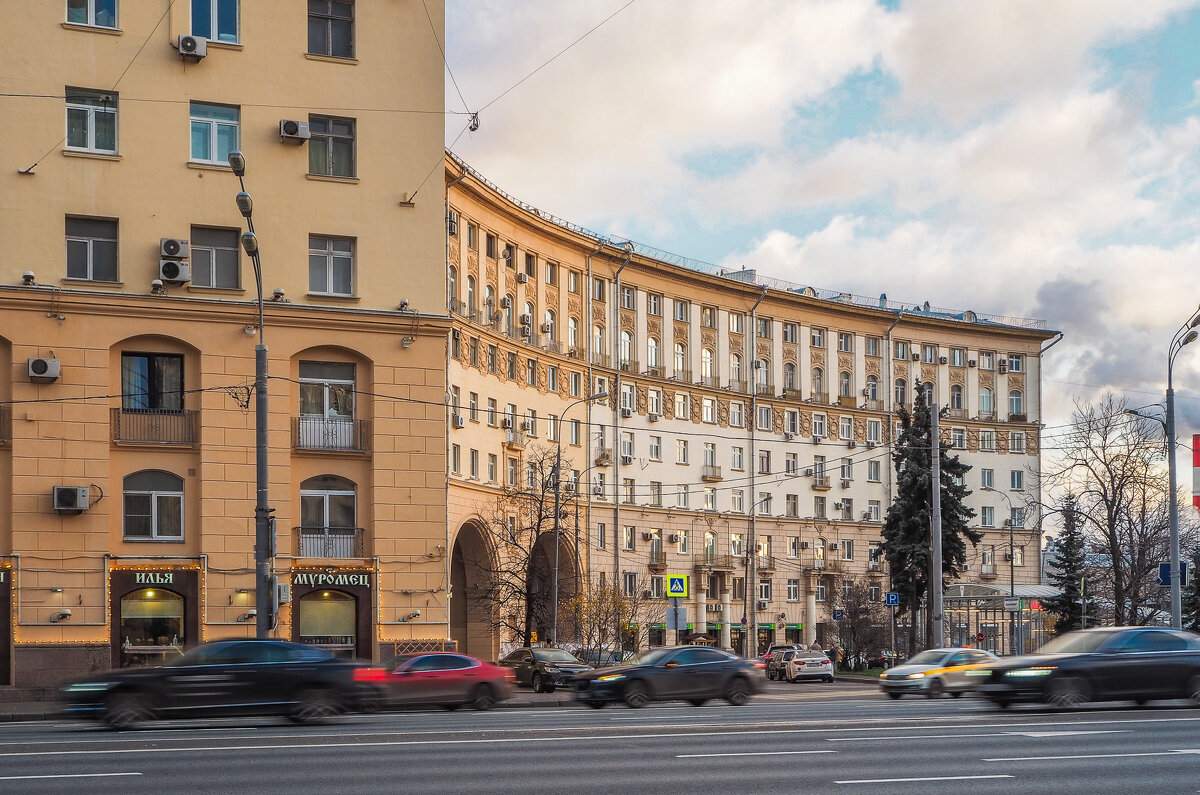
(1066, 573)
(1191, 592)
(906, 532)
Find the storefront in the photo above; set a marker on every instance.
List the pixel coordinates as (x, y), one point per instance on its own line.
(332, 610)
(737, 638)
(766, 636)
(794, 633)
(658, 635)
(6, 666)
(155, 614)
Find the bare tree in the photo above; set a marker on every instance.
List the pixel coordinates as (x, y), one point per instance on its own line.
(609, 617)
(864, 625)
(519, 578)
(1110, 461)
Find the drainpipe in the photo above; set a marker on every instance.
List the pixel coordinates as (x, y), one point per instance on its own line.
(889, 405)
(1041, 354)
(615, 392)
(586, 295)
(750, 597)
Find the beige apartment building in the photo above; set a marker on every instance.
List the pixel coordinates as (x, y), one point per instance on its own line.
(744, 440)
(128, 317)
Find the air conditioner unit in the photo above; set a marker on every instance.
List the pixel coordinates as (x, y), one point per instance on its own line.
(804, 545)
(70, 499)
(943, 360)
(293, 130)
(598, 491)
(647, 536)
(647, 594)
(626, 413)
(569, 487)
(845, 483)
(43, 371)
(627, 459)
(452, 227)
(172, 271)
(652, 417)
(971, 362)
(526, 425)
(506, 423)
(817, 438)
(916, 357)
(172, 248)
(866, 392)
(547, 328)
(763, 604)
(1007, 556)
(808, 473)
(458, 421)
(506, 302)
(966, 566)
(851, 443)
(871, 443)
(673, 538)
(522, 278)
(1002, 366)
(192, 48)
(837, 506)
(788, 436)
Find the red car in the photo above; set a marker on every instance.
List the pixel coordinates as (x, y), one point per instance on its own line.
(442, 678)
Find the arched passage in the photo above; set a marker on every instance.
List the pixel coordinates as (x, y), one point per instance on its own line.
(470, 618)
(541, 588)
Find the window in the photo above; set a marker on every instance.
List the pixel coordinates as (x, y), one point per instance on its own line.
(706, 368)
(1016, 441)
(531, 372)
(986, 359)
(99, 13)
(576, 384)
(681, 310)
(737, 500)
(956, 397)
(511, 369)
(92, 249)
(764, 327)
(1016, 363)
(681, 406)
(874, 511)
(819, 511)
(1016, 480)
(216, 20)
(656, 448)
(929, 354)
(818, 425)
(988, 559)
(1015, 402)
(872, 346)
(151, 382)
(958, 357)
(331, 28)
(818, 383)
(708, 409)
(986, 404)
(456, 459)
(901, 351)
(874, 431)
(552, 378)
(958, 438)
(598, 289)
(331, 147)
(1018, 556)
(765, 419)
(627, 489)
(710, 498)
(738, 459)
(845, 342)
(791, 463)
(627, 443)
(489, 245)
(987, 440)
(473, 406)
(708, 316)
(873, 469)
(215, 258)
(844, 384)
(552, 273)
(901, 392)
(735, 322)
(684, 541)
(331, 265)
(1016, 516)
(214, 132)
(91, 121)
(511, 472)
(153, 506)
(681, 363)
(573, 282)
(327, 502)
(987, 478)
(737, 415)
(792, 509)
(790, 333)
(473, 459)
(627, 297)
(987, 516)
(793, 547)
(735, 544)
(492, 468)
(847, 549)
(821, 591)
(845, 427)
(764, 590)
(681, 497)
(629, 582)
(654, 304)
(576, 432)
(491, 412)
(874, 592)
(816, 337)
(656, 493)
(791, 421)
(681, 451)
(846, 469)
(656, 586)
(764, 462)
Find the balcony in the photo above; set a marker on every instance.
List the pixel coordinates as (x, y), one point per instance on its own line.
(765, 390)
(575, 352)
(459, 307)
(656, 372)
(792, 393)
(957, 414)
(329, 542)
(710, 381)
(711, 560)
(604, 456)
(821, 482)
(515, 440)
(987, 415)
(765, 564)
(826, 564)
(629, 366)
(682, 375)
(153, 426)
(1015, 417)
(601, 359)
(847, 401)
(737, 386)
(710, 473)
(658, 559)
(988, 571)
(340, 434)
(818, 397)
(553, 346)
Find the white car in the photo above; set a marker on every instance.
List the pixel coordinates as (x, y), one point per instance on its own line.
(812, 664)
(934, 672)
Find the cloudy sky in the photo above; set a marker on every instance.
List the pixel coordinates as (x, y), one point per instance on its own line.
(1017, 156)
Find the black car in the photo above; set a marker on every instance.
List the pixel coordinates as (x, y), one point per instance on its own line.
(232, 677)
(543, 669)
(1104, 664)
(774, 658)
(692, 673)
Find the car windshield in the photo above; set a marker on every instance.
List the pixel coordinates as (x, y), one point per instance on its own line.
(651, 657)
(554, 655)
(1075, 643)
(930, 657)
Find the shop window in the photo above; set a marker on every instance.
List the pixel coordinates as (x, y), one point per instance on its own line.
(327, 620)
(151, 626)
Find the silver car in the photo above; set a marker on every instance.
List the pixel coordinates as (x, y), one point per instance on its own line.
(935, 672)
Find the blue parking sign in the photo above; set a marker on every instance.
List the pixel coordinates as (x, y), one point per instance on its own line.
(893, 599)
(838, 615)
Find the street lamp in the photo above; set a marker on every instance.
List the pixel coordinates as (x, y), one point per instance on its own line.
(1012, 563)
(264, 540)
(557, 501)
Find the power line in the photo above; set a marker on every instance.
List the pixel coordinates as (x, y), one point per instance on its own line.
(442, 50)
(330, 108)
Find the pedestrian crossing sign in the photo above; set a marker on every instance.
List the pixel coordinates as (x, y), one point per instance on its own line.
(677, 586)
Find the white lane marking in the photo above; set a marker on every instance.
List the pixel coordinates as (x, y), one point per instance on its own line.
(964, 736)
(1176, 752)
(923, 778)
(68, 775)
(751, 753)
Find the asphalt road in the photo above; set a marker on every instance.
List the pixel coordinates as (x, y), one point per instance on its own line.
(830, 738)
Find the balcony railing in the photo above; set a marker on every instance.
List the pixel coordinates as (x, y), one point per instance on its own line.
(1018, 417)
(329, 542)
(710, 473)
(629, 366)
(603, 456)
(601, 359)
(153, 426)
(957, 414)
(658, 558)
(737, 385)
(715, 561)
(764, 389)
(988, 570)
(822, 481)
(792, 393)
(330, 433)
(765, 562)
(682, 375)
(710, 380)
(819, 397)
(515, 440)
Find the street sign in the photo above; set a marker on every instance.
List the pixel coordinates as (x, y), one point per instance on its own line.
(893, 599)
(1012, 605)
(676, 618)
(978, 635)
(1163, 577)
(838, 615)
(677, 585)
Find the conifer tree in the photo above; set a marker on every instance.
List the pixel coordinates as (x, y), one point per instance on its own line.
(1191, 592)
(1066, 572)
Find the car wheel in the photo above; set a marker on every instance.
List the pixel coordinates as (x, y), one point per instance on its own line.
(793, 680)
(314, 705)
(1141, 702)
(597, 704)
(697, 702)
(450, 707)
(126, 710)
(537, 683)
(737, 692)
(483, 699)
(935, 689)
(1065, 692)
(956, 693)
(635, 695)
(1002, 703)
(896, 696)
(829, 679)
(1193, 689)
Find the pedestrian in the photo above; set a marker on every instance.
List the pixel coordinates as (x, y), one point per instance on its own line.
(835, 656)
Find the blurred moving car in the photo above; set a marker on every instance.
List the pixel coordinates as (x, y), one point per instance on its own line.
(814, 664)
(692, 673)
(232, 677)
(543, 669)
(935, 672)
(1104, 664)
(439, 678)
(774, 658)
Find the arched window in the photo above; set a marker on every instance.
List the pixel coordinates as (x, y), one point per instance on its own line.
(471, 294)
(762, 372)
(1015, 402)
(328, 518)
(819, 549)
(572, 332)
(872, 387)
(626, 347)
(529, 310)
(652, 352)
(681, 361)
(508, 312)
(551, 327)
(986, 404)
(789, 376)
(956, 396)
(452, 285)
(153, 506)
(818, 381)
(489, 298)
(927, 390)
(844, 384)
(901, 392)
(706, 361)
(735, 367)
(598, 340)
(710, 544)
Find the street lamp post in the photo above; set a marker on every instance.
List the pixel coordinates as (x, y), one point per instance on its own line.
(557, 502)
(264, 599)
(1186, 334)
(1012, 566)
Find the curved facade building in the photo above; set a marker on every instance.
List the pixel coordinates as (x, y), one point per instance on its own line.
(744, 440)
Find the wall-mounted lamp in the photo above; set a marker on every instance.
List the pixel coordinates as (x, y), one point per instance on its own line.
(157, 288)
(278, 296)
(412, 615)
(403, 306)
(251, 330)
(28, 278)
(406, 342)
(249, 614)
(61, 615)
